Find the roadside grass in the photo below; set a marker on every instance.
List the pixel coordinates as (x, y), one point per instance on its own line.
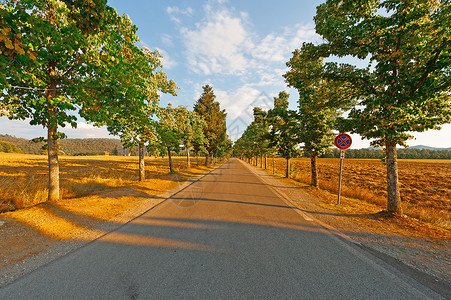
(24, 178)
(95, 189)
(425, 184)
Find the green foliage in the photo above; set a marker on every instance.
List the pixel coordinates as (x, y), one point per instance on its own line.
(321, 100)
(406, 87)
(215, 121)
(283, 128)
(9, 147)
(67, 146)
(171, 126)
(255, 140)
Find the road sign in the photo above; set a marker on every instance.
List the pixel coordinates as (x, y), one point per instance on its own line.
(343, 141)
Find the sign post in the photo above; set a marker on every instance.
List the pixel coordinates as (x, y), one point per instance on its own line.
(343, 142)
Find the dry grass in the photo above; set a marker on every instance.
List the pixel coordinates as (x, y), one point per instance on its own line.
(425, 184)
(24, 178)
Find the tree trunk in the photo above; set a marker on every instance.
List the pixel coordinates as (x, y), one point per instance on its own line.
(266, 162)
(54, 169)
(393, 195)
(273, 165)
(142, 168)
(314, 167)
(206, 159)
(288, 168)
(170, 161)
(197, 158)
(188, 163)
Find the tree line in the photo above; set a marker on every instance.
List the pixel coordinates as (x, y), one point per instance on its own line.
(67, 146)
(404, 88)
(379, 154)
(59, 58)
(9, 147)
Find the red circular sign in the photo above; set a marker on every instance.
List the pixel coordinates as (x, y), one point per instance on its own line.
(343, 141)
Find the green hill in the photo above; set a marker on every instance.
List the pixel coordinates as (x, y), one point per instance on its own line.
(9, 147)
(68, 146)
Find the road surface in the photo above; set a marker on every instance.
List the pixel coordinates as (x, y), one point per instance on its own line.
(226, 236)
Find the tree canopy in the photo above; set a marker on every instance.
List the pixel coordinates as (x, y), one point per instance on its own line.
(215, 120)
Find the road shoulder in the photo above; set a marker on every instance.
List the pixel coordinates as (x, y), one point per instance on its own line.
(25, 249)
(426, 260)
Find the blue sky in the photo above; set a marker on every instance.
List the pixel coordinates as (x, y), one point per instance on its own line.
(240, 47)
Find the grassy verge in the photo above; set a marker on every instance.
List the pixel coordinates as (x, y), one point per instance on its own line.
(24, 179)
(425, 185)
(96, 189)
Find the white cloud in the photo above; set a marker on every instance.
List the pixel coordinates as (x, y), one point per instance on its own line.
(85, 130)
(223, 44)
(175, 13)
(167, 40)
(217, 44)
(167, 62)
(278, 47)
(241, 102)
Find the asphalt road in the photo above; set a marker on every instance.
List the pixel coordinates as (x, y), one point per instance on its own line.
(226, 236)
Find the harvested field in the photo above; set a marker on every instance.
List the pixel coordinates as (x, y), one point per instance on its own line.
(24, 178)
(425, 184)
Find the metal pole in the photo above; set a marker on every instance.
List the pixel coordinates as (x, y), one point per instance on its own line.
(342, 156)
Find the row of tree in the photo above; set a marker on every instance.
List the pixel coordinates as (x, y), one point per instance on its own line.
(67, 146)
(405, 87)
(59, 58)
(402, 153)
(9, 147)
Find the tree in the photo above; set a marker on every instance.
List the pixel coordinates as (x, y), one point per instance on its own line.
(192, 131)
(320, 103)
(171, 128)
(57, 64)
(406, 87)
(215, 121)
(134, 122)
(283, 129)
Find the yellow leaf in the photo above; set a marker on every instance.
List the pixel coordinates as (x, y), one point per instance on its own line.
(31, 54)
(9, 44)
(128, 39)
(19, 35)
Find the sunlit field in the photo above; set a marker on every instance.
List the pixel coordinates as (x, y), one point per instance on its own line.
(24, 178)
(425, 184)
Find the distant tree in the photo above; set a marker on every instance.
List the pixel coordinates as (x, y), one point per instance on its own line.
(170, 130)
(215, 121)
(191, 125)
(406, 87)
(283, 129)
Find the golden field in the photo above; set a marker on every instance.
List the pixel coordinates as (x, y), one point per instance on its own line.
(24, 178)
(425, 184)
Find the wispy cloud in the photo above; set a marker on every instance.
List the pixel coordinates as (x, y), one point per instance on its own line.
(175, 12)
(167, 40)
(217, 44)
(223, 43)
